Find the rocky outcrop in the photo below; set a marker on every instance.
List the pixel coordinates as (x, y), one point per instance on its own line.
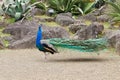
(103, 18)
(19, 30)
(113, 37)
(90, 32)
(90, 17)
(64, 19)
(75, 27)
(27, 42)
(24, 34)
(55, 32)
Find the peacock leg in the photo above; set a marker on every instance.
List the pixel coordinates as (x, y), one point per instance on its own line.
(45, 55)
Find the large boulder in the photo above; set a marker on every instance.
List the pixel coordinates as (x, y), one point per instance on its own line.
(75, 27)
(103, 18)
(90, 32)
(64, 19)
(92, 17)
(113, 37)
(19, 30)
(55, 32)
(24, 34)
(27, 42)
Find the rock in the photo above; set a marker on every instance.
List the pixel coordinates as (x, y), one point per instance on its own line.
(27, 42)
(113, 37)
(23, 35)
(50, 12)
(89, 32)
(64, 19)
(37, 11)
(75, 27)
(117, 47)
(1, 44)
(47, 19)
(90, 17)
(100, 27)
(9, 39)
(19, 30)
(55, 32)
(103, 18)
(3, 24)
(100, 11)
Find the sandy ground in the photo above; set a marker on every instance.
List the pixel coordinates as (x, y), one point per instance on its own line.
(31, 65)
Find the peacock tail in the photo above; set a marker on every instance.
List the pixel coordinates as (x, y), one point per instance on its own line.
(91, 45)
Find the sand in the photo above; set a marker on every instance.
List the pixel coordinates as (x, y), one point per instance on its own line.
(30, 64)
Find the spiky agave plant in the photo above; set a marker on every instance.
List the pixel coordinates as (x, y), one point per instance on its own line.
(17, 8)
(73, 6)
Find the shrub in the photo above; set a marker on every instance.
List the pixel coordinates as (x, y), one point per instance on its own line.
(73, 6)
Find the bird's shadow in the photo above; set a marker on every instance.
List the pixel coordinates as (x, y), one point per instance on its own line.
(79, 60)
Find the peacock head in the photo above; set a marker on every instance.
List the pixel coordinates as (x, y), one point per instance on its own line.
(40, 27)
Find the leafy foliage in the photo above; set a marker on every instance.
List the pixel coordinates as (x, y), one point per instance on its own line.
(74, 6)
(17, 8)
(41, 5)
(115, 13)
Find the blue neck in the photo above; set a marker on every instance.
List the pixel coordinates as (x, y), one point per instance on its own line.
(39, 36)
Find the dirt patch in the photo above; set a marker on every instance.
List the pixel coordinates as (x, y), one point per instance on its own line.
(31, 65)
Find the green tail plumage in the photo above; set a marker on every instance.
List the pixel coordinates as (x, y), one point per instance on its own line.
(90, 45)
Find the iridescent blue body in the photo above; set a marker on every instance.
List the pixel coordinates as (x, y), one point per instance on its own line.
(38, 38)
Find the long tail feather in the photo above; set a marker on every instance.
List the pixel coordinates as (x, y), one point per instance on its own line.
(90, 45)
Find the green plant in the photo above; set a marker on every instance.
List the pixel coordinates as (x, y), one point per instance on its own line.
(83, 8)
(74, 6)
(42, 5)
(115, 12)
(17, 8)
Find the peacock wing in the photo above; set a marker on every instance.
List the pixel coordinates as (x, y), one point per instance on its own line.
(48, 46)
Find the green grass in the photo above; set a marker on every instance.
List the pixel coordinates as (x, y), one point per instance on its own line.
(87, 22)
(7, 20)
(10, 20)
(2, 34)
(106, 25)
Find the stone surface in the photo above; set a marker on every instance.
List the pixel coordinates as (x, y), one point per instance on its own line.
(64, 19)
(2, 24)
(117, 47)
(90, 32)
(37, 11)
(90, 17)
(27, 42)
(23, 34)
(75, 27)
(103, 18)
(55, 32)
(1, 44)
(113, 37)
(19, 30)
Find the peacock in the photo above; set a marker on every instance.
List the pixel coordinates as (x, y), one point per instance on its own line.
(51, 45)
(44, 45)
